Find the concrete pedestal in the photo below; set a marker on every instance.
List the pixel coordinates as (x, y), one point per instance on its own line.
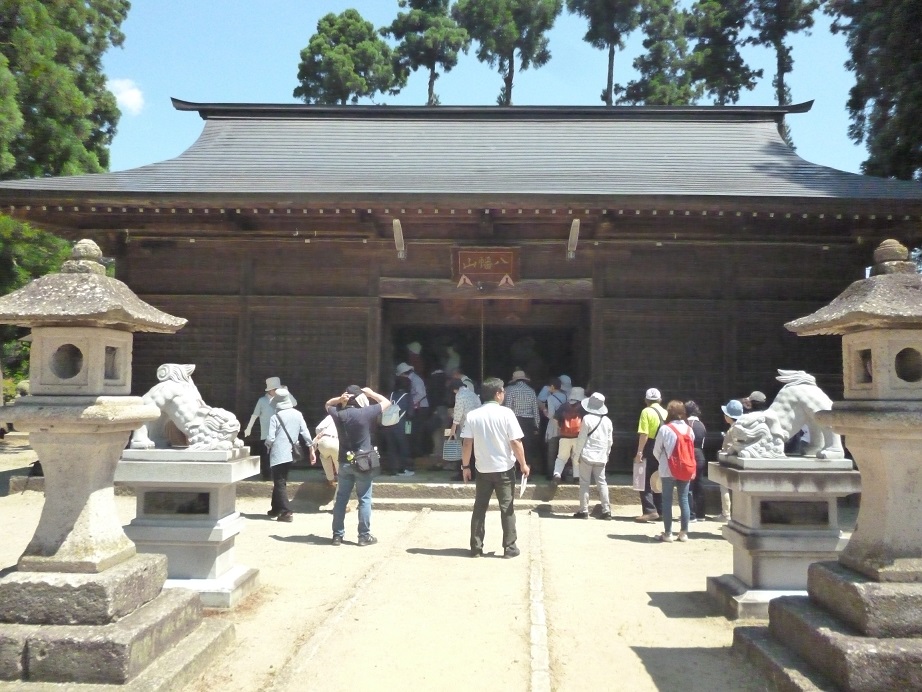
(860, 627)
(784, 517)
(186, 510)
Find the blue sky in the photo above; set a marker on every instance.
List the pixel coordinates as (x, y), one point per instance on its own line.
(240, 51)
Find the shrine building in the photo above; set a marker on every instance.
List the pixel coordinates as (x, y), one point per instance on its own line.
(628, 247)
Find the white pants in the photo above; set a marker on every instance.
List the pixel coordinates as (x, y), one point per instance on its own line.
(589, 474)
(565, 454)
(328, 450)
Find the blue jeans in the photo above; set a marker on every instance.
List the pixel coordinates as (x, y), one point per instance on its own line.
(668, 485)
(349, 478)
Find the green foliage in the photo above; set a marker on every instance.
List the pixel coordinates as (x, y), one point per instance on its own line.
(610, 22)
(25, 253)
(66, 118)
(344, 61)
(716, 62)
(429, 38)
(885, 105)
(504, 28)
(666, 75)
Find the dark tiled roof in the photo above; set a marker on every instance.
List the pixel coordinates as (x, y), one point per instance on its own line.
(641, 151)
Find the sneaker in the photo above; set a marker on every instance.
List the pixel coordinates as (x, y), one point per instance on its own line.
(407, 472)
(273, 513)
(476, 552)
(367, 540)
(683, 537)
(693, 520)
(337, 540)
(666, 538)
(723, 517)
(606, 516)
(644, 518)
(555, 481)
(512, 551)
(581, 515)
(287, 517)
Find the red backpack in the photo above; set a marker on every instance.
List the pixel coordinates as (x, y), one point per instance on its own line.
(682, 459)
(570, 422)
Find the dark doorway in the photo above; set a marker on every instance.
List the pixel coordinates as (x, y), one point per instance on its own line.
(556, 341)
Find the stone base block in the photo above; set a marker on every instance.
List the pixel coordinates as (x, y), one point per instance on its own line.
(51, 598)
(174, 670)
(783, 670)
(872, 608)
(108, 654)
(737, 601)
(224, 592)
(851, 661)
(777, 558)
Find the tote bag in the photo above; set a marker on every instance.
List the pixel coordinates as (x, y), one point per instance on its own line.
(451, 450)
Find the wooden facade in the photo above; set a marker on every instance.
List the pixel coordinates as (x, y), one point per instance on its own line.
(687, 293)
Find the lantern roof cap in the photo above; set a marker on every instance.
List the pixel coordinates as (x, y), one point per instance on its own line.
(891, 298)
(81, 295)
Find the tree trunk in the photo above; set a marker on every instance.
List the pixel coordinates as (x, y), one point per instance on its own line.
(432, 77)
(510, 75)
(609, 97)
(780, 69)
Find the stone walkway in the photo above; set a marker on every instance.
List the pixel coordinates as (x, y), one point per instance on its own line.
(588, 604)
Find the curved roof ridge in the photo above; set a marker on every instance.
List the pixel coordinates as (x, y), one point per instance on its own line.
(302, 110)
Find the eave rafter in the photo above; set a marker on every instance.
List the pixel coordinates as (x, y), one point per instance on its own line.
(448, 221)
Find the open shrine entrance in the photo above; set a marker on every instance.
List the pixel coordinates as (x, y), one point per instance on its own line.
(491, 337)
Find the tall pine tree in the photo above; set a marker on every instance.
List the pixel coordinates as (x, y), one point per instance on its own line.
(885, 104)
(665, 74)
(429, 38)
(715, 60)
(509, 31)
(344, 61)
(53, 72)
(610, 22)
(773, 21)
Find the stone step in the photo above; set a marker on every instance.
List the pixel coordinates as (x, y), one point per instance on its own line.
(310, 486)
(104, 654)
(464, 505)
(851, 661)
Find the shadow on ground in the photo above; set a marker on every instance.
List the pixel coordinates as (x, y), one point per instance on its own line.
(673, 668)
(684, 604)
(310, 539)
(441, 552)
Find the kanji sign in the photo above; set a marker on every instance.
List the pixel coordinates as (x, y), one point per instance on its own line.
(485, 264)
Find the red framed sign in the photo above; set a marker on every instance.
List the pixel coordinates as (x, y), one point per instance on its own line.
(485, 263)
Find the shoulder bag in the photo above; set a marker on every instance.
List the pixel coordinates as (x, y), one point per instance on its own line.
(297, 451)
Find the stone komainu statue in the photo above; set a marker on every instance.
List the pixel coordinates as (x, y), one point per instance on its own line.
(182, 409)
(762, 434)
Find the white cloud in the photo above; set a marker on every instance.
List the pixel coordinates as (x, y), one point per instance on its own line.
(128, 96)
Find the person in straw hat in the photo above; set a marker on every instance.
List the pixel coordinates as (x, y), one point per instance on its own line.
(521, 398)
(263, 412)
(286, 429)
(592, 449)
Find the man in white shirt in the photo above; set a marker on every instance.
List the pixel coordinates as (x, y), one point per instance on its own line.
(494, 436)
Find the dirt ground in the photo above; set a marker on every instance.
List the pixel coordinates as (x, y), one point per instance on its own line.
(588, 605)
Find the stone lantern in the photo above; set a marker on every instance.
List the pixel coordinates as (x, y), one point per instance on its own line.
(861, 624)
(82, 606)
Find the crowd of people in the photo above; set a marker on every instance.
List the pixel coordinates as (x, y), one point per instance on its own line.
(506, 431)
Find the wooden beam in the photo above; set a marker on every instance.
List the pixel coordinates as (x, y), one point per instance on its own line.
(527, 289)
